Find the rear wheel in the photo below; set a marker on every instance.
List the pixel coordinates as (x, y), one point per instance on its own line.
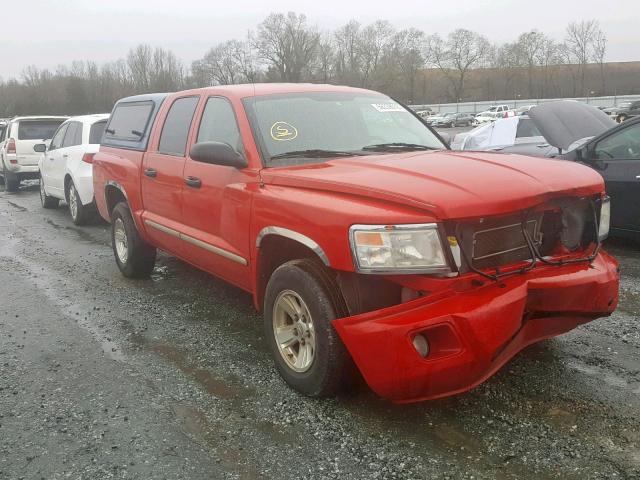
(134, 256)
(46, 200)
(10, 185)
(79, 213)
(301, 300)
(621, 118)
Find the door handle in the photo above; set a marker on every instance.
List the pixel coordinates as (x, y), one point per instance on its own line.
(193, 182)
(637, 177)
(51, 159)
(151, 172)
(65, 156)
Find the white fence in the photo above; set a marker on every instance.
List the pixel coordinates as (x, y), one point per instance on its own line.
(475, 107)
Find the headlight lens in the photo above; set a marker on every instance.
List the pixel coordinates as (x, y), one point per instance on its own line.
(605, 218)
(398, 249)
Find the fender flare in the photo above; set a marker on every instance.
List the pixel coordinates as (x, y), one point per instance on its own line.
(296, 236)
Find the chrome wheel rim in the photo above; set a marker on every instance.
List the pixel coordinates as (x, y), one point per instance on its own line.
(293, 331)
(120, 241)
(73, 201)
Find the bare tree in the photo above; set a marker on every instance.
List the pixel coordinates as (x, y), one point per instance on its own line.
(373, 42)
(288, 44)
(579, 39)
(407, 56)
(462, 51)
(599, 54)
(348, 61)
(529, 47)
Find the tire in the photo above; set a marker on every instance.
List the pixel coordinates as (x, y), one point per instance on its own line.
(80, 213)
(134, 256)
(309, 286)
(46, 200)
(9, 184)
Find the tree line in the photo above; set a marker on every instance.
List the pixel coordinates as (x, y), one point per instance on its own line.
(409, 64)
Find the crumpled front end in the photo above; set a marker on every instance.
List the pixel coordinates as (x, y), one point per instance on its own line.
(472, 332)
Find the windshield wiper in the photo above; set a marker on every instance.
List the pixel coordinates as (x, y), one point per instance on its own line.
(315, 153)
(390, 147)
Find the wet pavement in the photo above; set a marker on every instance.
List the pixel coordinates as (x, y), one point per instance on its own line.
(167, 378)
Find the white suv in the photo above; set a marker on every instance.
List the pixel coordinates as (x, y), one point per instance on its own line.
(66, 171)
(18, 159)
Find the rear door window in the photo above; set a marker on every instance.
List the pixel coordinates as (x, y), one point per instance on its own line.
(56, 142)
(175, 131)
(73, 136)
(97, 131)
(129, 121)
(37, 129)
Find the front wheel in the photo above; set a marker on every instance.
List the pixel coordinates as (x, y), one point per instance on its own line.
(300, 302)
(134, 256)
(47, 201)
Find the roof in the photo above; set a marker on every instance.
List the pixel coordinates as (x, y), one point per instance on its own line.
(90, 118)
(254, 90)
(39, 117)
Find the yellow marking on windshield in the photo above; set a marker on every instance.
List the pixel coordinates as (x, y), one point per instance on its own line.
(283, 131)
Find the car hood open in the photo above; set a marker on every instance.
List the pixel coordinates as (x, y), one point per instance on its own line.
(564, 122)
(449, 185)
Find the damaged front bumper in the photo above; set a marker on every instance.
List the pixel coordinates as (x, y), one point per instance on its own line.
(472, 333)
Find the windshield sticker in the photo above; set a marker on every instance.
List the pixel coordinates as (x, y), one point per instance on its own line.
(388, 107)
(283, 131)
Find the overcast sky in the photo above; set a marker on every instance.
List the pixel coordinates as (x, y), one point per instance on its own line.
(46, 33)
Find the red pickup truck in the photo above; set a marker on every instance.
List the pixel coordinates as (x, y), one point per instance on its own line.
(366, 243)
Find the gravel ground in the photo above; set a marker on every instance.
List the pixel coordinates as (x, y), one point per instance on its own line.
(104, 377)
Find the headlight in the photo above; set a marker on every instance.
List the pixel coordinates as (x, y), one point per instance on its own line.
(605, 218)
(398, 249)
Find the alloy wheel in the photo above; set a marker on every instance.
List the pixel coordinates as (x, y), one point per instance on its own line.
(73, 201)
(294, 331)
(121, 241)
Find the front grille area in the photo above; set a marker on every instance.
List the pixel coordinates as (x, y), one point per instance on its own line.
(491, 243)
(502, 245)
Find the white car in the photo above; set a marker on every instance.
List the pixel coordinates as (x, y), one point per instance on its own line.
(66, 170)
(487, 117)
(18, 158)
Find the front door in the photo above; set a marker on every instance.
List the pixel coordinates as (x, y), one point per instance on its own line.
(216, 202)
(619, 158)
(51, 163)
(162, 178)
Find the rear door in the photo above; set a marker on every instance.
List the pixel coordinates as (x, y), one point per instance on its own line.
(52, 159)
(31, 132)
(619, 156)
(162, 178)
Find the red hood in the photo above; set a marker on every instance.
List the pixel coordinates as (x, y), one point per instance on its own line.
(448, 184)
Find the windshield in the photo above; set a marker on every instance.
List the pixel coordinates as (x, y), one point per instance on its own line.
(316, 126)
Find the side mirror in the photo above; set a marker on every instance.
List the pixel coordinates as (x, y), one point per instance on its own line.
(217, 153)
(40, 147)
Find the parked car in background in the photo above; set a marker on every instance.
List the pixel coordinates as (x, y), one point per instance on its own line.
(524, 109)
(496, 109)
(18, 159)
(624, 111)
(425, 112)
(486, 117)
(66, 165)
(364, 241)
(445, 120)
